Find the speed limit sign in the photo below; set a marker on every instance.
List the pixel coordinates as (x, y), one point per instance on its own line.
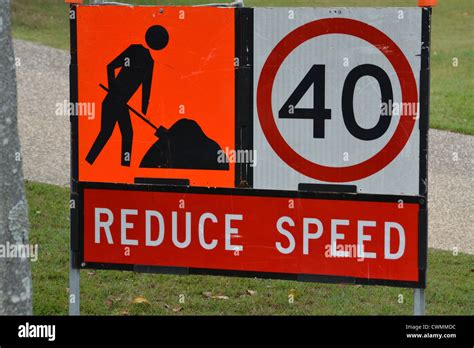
(337, 99)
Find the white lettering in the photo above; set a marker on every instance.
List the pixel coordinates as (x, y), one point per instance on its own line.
(361, 238)
(337, 236)
(287, 234)
(307, 236)
(401, 248)
(124, 226)
(161, 225)
(103, 224)
(229, 230)
(202, 240)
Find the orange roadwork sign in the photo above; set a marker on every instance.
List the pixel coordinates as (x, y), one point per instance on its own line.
(172, 65)
(427, 3)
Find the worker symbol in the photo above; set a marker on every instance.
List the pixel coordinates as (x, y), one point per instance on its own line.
(184, 145)
(136, 69)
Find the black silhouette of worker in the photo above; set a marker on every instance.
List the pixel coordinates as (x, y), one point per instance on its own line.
(136, 69)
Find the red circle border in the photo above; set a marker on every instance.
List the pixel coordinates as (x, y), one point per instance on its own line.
(264, 99)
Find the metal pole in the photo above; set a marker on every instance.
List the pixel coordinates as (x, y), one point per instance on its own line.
(74, 290)
(419, 302)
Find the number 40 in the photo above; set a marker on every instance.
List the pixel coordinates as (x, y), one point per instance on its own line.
(319, 113)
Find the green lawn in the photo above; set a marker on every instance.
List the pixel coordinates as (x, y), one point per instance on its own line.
(450, 282)
(452, 87)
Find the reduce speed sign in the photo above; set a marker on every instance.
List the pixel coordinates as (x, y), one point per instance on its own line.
(337, 99)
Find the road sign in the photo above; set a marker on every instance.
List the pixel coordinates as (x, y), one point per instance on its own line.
(155, 97)
(337, 99)
(304, 236)
(333, 103)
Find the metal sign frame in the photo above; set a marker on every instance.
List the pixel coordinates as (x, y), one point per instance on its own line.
(244, 175)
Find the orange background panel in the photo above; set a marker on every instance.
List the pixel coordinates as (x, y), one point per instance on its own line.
(195, 70)
(427, 3)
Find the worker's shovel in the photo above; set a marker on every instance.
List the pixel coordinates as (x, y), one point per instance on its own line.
(184, 145)
(159, 131)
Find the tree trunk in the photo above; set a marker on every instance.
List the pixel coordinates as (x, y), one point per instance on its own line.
(15, 275)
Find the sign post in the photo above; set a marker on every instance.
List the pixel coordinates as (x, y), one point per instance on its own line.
(74, 290)
(419, 302)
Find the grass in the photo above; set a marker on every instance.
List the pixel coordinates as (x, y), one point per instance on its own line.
(450, 282)
(452, 87)
(42, 21)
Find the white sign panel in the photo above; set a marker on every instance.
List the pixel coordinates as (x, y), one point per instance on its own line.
(336, 98)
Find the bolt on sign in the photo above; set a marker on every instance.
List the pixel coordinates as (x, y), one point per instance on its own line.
(329, 107)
